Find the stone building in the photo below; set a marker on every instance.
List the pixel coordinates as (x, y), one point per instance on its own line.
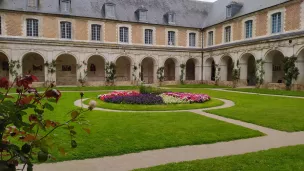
(69, 40)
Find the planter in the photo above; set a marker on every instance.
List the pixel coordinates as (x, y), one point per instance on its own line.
(5, 167)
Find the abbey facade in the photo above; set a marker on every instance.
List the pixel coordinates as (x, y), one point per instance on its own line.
(71, 41)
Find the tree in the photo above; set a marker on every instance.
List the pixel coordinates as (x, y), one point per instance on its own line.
(34, 134)
(290, 70)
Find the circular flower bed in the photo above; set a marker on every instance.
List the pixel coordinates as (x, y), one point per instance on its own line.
(133, 97)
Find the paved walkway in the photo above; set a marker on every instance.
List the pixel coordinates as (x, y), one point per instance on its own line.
(273, 139)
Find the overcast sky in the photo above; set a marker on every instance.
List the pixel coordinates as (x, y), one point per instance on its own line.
(207, 0)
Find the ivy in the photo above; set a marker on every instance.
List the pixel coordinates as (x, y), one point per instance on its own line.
(160, 74)
(217, 74)
(259, 72)
(134, 69)
(181, 78)
(14, 65)
(110, 70)
(290, 70)
(236, 74)
(51, 66)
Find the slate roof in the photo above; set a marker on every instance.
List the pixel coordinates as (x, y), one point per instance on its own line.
(189, 13)
(217, 13)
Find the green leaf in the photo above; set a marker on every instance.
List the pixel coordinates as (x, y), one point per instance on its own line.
(73, 132)
(73, 144)
(48, 106)
(39, 111)
(75, 114)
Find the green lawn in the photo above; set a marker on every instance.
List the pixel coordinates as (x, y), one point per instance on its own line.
(279, 113)
(281, 159)
(194, 86)
(267, 91)
(211, 103)
(114, 133)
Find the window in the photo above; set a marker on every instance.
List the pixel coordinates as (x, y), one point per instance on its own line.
(171, 18)
(32, 27)
(142, 15)
(95, 31)
(171, 38)
(210, 38)
(277, 22)
(32, 3)
(228, 12)
(149, 36)
(192, 39)
(66, 30)
(110, 10)
(65, 5)
(248, 29)
(124, 34)
(227, 34)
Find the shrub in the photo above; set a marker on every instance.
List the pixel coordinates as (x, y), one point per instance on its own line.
(145, 99)
(150, 90)
(291, 71)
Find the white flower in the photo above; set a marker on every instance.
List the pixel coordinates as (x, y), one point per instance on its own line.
(92, 104)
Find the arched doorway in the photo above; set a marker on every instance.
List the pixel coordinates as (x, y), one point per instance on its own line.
(33, 63)
(96, 68)
(4, 70)
(226, 66)
(247, 64)
(170, 66)
(273, 66)
(300, 65)
(209, 69)
(123, 69)
(190, 69)
(66, 70)
(147, 70)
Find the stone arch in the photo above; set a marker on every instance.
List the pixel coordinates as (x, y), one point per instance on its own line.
(66, 69)
(4, 70)
(273, 67)
(170, 69)
(33, 63)
(123, 68)
(226, 65)
(148, 70)
(96, 68)
(190, 69)
(210, 69)
(300, 65)
(247, 65)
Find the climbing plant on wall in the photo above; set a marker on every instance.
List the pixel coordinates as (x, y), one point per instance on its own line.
(160, 74)
(14, 66)
(290, 70)
(110, 70)
(217, 74)
(236, 74)
(82, 78)
(259, 72)
(134, 69)
(182, 76)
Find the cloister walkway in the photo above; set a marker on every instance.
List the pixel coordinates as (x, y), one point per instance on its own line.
(272, 139)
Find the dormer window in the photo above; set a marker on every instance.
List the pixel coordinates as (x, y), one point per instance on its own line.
(110, 10)
(229, 11)
(171, 17)
(233, 8)
(32, 3)
(142, 14)
(65, 5)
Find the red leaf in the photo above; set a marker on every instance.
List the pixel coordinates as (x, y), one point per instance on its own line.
(4, 83)
(26, 100)
(87, 130)
(53, 94)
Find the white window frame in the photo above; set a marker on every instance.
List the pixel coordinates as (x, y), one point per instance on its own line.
(153, 36)
(176, 37)
(96, 37)
(3, 25)
(208, 38)
(197, 37)
(32, 27)
(72, 28)
(269, 23)
(253, 18)
(102, 33)
(40, 26)
(130, 33)
(224, 33)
